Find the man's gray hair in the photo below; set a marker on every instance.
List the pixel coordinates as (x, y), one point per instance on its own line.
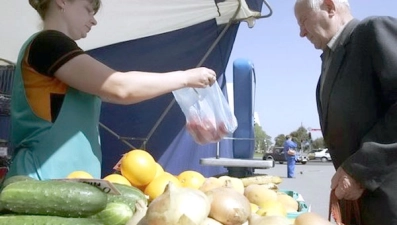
(316, 4)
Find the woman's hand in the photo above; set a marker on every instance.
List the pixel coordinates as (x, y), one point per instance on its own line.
(200, 77)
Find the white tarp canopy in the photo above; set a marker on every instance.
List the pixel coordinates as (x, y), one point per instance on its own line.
(140, 35)
(119, 20)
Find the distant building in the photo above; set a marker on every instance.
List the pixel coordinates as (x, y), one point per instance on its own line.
(256, 118)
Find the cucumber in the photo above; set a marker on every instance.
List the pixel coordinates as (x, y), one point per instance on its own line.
(8, 181)
(53, 198)
(14, 179)
(129, 195)
(46, 220)
(115, 214)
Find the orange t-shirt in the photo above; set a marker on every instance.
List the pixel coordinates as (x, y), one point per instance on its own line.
(48, 51)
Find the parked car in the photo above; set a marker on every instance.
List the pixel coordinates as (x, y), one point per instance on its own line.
(311, 154)
(277, 154)
(323, 155)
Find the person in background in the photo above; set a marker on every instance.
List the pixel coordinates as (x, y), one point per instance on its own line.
(58, 90)
(357, 104)
(290, 154)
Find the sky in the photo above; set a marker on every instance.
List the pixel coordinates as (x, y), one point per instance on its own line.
(287, 66)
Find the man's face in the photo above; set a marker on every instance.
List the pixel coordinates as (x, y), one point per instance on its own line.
(315, 25)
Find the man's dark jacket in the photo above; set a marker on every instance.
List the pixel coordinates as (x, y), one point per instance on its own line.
(358, 113)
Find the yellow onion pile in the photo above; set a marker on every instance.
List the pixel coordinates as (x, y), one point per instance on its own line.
(228, 206)
(178, 206)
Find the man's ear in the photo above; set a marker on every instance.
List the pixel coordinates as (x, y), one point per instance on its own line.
(60, 3)
(330, 7)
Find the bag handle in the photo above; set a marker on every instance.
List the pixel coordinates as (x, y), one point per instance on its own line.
(335, 210)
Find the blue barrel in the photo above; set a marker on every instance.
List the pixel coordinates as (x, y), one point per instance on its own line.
(244, 92)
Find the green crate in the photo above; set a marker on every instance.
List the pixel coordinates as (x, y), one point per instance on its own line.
(302, 206)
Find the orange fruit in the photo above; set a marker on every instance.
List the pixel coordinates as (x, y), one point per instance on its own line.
(157, 186)
(142, 188)
(159, 170)
(117, 178)
(191, 179)
(79, 174)
(138, 166)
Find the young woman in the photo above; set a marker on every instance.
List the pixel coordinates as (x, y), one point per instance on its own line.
(58, 89)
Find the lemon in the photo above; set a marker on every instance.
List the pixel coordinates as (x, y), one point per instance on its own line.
(117, 178)
(79, 174)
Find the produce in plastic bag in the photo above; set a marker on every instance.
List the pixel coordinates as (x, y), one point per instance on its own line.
(208, 115)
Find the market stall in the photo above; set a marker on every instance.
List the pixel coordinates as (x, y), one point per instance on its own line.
(152, 36)
(142, 192)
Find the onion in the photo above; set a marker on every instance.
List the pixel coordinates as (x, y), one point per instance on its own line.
(211, 183)
(228, 206)
(268, 220)
(233, 182)
(310, 218)
(178, 206)
(210, 221)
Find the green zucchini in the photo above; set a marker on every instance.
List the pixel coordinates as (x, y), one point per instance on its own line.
(46, 220)
(53, 198)
(128, 195)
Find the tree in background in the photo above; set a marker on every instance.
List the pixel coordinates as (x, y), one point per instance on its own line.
(279, 140)
(302, 138)
(318, 143)
(262, 140)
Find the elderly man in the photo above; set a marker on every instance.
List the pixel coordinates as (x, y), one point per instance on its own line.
(356, 101)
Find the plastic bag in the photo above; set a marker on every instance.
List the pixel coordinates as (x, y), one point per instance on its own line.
(208, 115)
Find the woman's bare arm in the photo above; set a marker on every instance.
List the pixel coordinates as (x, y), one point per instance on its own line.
(89, 75)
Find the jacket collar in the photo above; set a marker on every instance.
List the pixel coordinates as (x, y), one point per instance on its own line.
(337, 57)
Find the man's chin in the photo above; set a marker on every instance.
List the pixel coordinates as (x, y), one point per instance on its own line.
(318, 47)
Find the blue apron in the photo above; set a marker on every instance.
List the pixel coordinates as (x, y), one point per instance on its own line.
(45, 150)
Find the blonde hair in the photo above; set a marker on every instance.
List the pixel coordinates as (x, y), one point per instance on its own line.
(316, 4)
(41, 6)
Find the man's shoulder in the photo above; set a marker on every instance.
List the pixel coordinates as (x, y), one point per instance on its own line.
(370, 28)
(374, 21)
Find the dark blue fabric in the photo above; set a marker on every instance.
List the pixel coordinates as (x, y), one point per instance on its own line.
(244, 86)
(6, 80)
(255, 5)
(5, 127)
(170, 144)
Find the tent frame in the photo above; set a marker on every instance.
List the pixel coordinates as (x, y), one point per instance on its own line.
(232, 20)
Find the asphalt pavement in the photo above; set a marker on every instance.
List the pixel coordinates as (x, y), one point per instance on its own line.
(312, 181)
